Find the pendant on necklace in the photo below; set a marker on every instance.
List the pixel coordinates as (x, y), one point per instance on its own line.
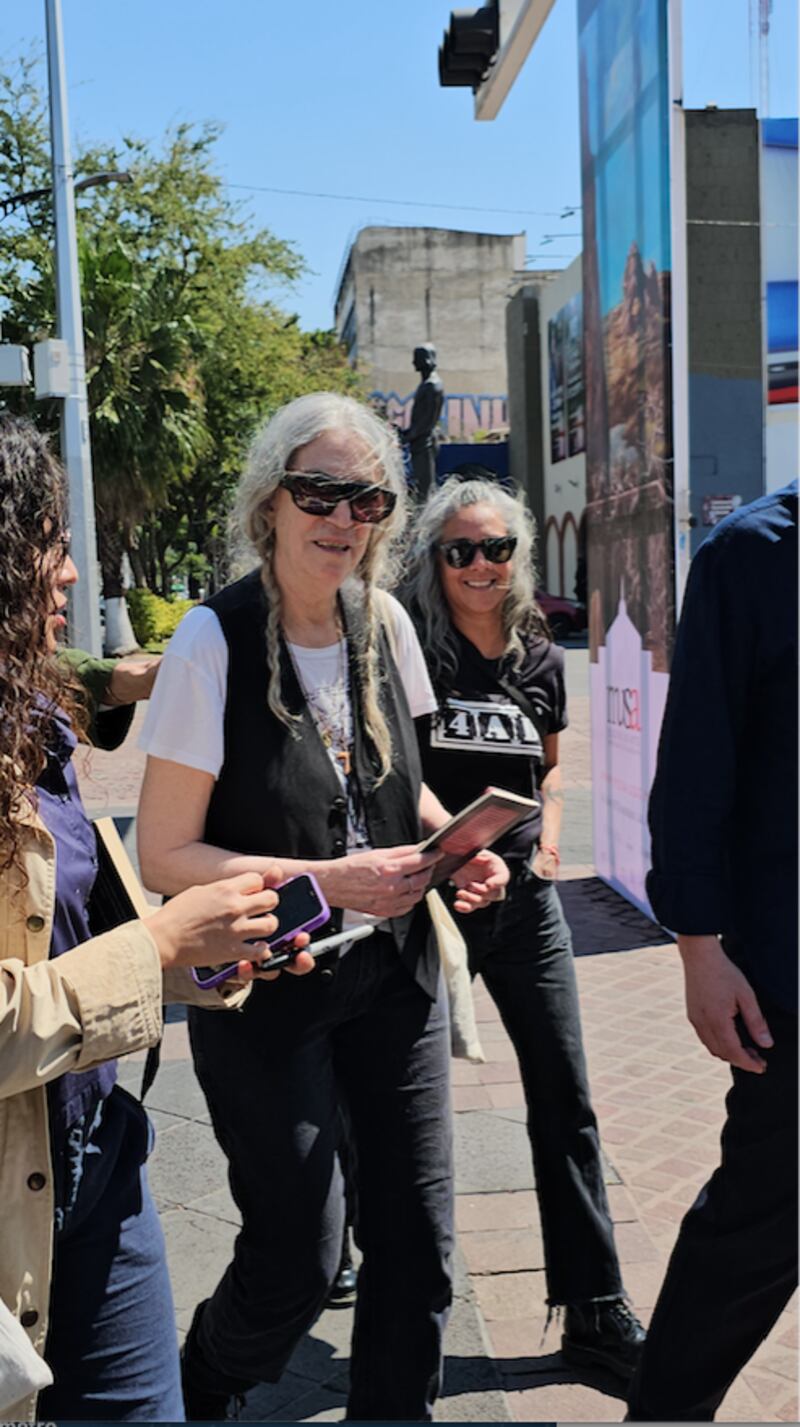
(342, 755)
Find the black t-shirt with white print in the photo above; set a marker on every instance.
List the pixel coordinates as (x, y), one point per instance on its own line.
(480, 737)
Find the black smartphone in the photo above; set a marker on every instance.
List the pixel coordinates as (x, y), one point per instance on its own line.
(301, 908)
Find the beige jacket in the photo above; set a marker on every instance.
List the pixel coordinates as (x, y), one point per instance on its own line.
(101, 1000)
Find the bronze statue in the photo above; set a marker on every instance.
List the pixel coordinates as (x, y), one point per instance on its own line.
(420, 435)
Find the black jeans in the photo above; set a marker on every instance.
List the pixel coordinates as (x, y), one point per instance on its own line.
(523, 950)
(273, 1077)
(734, 1266)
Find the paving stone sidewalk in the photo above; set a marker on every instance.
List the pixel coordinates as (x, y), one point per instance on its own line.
(659, 1100)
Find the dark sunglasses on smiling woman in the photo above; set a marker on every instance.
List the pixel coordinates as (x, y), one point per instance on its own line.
(317, 494)
(498, 550)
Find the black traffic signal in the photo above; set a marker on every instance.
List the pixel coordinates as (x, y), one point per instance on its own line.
(470, 44)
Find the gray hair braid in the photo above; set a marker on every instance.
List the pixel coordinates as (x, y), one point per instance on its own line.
(274, 690)
(370, 675)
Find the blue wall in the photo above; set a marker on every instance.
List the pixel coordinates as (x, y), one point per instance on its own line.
(493, 454)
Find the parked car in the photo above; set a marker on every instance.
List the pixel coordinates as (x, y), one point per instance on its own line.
(564, 616)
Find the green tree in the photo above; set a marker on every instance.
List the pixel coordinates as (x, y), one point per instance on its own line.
(186, 347)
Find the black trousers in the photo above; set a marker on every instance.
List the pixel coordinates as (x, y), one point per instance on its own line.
(523, 950)
(273, 1077)
(734, 1266)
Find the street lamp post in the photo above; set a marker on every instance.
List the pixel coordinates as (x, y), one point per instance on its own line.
(75, 447)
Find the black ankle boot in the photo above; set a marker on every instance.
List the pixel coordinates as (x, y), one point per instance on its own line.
(603, 1333)
(344, 1285)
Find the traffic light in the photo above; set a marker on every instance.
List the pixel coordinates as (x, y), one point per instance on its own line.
(469, 45)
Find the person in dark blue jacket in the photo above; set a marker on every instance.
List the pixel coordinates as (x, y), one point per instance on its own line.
(723, 817)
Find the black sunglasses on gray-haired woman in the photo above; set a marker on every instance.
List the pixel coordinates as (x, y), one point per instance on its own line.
(497, 549)
(318, 494)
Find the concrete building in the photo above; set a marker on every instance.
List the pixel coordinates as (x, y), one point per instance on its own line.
(403, 286)
(724, 303)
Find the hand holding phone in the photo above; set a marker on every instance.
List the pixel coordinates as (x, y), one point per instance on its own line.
(301, 908)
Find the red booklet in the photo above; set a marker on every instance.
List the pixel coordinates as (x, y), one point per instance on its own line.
(491, 815)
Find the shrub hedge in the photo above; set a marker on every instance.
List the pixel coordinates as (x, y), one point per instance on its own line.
(154, 618)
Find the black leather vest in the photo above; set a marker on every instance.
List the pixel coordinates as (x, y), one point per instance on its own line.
(278, 794)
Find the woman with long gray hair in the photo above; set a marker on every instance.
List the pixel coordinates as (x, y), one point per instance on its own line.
(282, 728)
(501, 704)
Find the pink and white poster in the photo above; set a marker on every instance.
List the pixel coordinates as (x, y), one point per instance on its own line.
(627, 705)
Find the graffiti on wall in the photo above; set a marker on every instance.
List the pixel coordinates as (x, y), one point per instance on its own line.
(463, 413)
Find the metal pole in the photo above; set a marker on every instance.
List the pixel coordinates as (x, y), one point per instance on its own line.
(75, 448)
(679, 290)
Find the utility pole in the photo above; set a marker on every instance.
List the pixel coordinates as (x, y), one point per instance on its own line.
(75, 448)
(760, 14)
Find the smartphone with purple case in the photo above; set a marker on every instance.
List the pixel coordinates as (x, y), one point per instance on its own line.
(301, 908)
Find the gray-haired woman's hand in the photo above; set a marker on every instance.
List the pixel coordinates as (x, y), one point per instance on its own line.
(480, 881)
(384, 882)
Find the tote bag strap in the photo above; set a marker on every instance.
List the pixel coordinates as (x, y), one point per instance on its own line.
(119, 897)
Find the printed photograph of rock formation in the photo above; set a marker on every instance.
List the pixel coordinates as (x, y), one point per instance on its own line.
(626, 297)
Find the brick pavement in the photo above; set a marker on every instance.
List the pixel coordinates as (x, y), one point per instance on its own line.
(659, 1101)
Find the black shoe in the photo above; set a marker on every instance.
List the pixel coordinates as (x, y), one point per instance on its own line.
(344, 1285)
(200, 1404)
(604, 1333)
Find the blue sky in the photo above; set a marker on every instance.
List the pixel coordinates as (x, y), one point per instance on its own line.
(343, 98)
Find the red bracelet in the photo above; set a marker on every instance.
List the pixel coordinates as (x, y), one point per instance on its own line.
(553, 851)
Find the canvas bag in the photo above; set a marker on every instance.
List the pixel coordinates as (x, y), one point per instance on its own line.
(464, 1041)
(22, 1371)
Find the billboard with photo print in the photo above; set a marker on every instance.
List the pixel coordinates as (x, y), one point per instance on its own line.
(558, 389)
(625, 167)
(565, 352)
(573, 368)
(779, 197)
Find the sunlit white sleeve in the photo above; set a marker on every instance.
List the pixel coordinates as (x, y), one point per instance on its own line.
(411, 662)
(185, 717)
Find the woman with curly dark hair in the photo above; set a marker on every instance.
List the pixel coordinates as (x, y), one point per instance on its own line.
(81, 1252)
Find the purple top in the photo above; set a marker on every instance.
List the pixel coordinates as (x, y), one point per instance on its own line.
(73, 1096)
